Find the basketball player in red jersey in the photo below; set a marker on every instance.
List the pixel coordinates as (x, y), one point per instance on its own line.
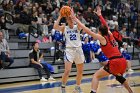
(116, 64)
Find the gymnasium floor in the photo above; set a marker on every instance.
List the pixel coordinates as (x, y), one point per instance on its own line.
(107, 85)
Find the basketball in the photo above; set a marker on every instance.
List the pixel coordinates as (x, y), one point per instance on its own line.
(65, 11)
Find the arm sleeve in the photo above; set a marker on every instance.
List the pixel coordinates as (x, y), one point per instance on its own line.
(31, 56)
(103, 21)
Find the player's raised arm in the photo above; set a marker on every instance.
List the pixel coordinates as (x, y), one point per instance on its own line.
(57, 26)
(98, 12)
(86, 29)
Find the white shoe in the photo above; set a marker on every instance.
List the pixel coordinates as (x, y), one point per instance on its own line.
(63, 89)
(77, 90)
(58, 60)
(95, 60)
(43, 79)
(51, 78)
(130, 70)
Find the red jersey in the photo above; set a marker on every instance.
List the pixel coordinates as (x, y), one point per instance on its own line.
(117, 35)
(117, 64)
(111, 48)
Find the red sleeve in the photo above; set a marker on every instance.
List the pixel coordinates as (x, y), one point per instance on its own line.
(103, 20)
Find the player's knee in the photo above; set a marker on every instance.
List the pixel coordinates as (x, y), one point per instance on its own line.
(95, 76)
(67, 71)
(79, 71)
(121, 79)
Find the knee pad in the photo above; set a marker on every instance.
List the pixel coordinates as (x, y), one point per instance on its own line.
(121, 79)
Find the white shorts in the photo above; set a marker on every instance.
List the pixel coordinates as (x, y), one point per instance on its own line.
(74, 55)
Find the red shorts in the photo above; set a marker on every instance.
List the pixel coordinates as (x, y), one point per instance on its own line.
(117, 66)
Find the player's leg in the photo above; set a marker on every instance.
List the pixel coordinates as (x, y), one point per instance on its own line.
(103, 63)
(68, 60)
(79, 61)
(65, 75)
(79, 78)
(126, 85)
(96, 77)
(129, 66)
(66, 72)
(79, 73)
(124, 82)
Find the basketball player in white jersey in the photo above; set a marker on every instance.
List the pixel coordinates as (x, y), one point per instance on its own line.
(73, 52)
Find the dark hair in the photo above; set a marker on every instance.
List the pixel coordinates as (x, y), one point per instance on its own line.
(103, 29)
(116, 27)
(123, 26)
(33, 44)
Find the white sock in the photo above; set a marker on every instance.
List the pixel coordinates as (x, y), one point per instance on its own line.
(93, 90)
(63, 85)
(77, 85)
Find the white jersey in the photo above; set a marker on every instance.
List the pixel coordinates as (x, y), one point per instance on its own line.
(72, 37)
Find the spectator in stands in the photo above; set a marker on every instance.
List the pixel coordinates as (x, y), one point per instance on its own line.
(36, 58)
(134, 20)
(57, 37)
(24, 19)
(112, 23)
(126, 38)
(4, 52)
(3, 27)
(50, 24)
(45, 25)
(108, 8)
(9, 7)
(88, 15)
(48, 8)
(4, 4)
(40, 10)
(55, 13)
(36, 5)
(18, 7)
(86, 49)
(93, 3)
(34, 22)
(117, 36)
(127, 56)
(82, 19)
(34, 9)
(23, 1)
(134, 36)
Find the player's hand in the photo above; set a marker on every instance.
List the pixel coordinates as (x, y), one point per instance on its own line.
(72, 14)
(98, 12)
(60, 16)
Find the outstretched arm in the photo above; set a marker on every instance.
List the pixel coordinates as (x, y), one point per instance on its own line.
(87, 30)
(103, 21)
(98, 12)
(102, 18)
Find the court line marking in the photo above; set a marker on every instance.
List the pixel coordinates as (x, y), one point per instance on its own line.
(55, 84)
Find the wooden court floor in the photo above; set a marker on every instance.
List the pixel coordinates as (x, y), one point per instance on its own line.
(106, 85)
